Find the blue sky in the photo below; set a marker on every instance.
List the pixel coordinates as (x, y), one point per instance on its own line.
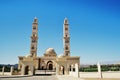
(94, 28)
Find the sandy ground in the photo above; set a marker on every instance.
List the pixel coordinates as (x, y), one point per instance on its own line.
(53, 77)
(102, 79)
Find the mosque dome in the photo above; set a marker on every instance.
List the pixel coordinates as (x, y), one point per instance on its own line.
(61, 55)
(50, 52)
(28, 55)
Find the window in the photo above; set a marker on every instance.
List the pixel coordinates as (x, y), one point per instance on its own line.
(33, 34)
(32, 47)
(34, 27)
(66, 28)
(66, 41)
(66, 48)
(33, 41)
(66, 35)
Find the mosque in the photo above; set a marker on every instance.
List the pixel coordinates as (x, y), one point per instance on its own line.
(62, 64)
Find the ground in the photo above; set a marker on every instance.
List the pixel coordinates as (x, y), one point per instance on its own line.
(53, 77)
(31, 78)
(101, 79)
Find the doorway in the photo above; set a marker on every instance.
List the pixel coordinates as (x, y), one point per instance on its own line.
(50, 67)
(62, 70)
(26, 70)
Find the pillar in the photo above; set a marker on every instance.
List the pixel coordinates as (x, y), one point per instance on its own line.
(3, 70)
(72, 67)
(31, 70)
(99, 69)
(66, 69)
(57, 69)
(12, 69)
(23, 70)
(76, 70)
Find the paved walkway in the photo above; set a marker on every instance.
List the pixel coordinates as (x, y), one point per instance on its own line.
(32, 78)
(52, 77)
(64, 77)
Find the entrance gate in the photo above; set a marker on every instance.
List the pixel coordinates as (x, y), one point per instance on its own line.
(46, 70)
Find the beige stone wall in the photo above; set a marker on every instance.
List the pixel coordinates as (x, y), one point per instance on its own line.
(65, 63)
(46, 60)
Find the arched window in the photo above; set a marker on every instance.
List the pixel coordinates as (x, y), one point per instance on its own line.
(66, 28)
(32, 47)
(66, 47)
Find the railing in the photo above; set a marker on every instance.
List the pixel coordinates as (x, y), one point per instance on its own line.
(45, 72)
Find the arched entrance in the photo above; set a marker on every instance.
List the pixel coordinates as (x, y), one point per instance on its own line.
(50, 65)
(26, 70)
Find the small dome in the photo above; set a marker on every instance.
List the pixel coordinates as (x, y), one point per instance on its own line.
(28, 55)
(50, 52)
(61, 55)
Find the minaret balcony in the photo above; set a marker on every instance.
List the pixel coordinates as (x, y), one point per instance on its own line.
(34, 37)
(66, 37)
(35, 23)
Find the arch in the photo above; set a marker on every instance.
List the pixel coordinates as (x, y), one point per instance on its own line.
(62, 69)
(32, 47)
(50, 65)
(26, 70)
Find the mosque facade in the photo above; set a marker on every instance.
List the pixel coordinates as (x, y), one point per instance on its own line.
(61, 64)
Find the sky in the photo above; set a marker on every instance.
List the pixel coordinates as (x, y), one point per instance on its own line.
(94, 28)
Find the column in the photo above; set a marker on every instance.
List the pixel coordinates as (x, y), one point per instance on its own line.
(23, 70)
(76, 70)
(12, 69)
(72, 68)
(3, 70)
(99, 69)
(67, 69)
(57, 69)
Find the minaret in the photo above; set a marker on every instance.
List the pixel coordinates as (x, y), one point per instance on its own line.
(34, 38)
(66, 38)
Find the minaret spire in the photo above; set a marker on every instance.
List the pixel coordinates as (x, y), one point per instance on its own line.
(34, 38)
(66, 38)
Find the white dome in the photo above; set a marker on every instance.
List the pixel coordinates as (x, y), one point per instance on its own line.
(50, 50)
(61, 55)
(28, 55)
